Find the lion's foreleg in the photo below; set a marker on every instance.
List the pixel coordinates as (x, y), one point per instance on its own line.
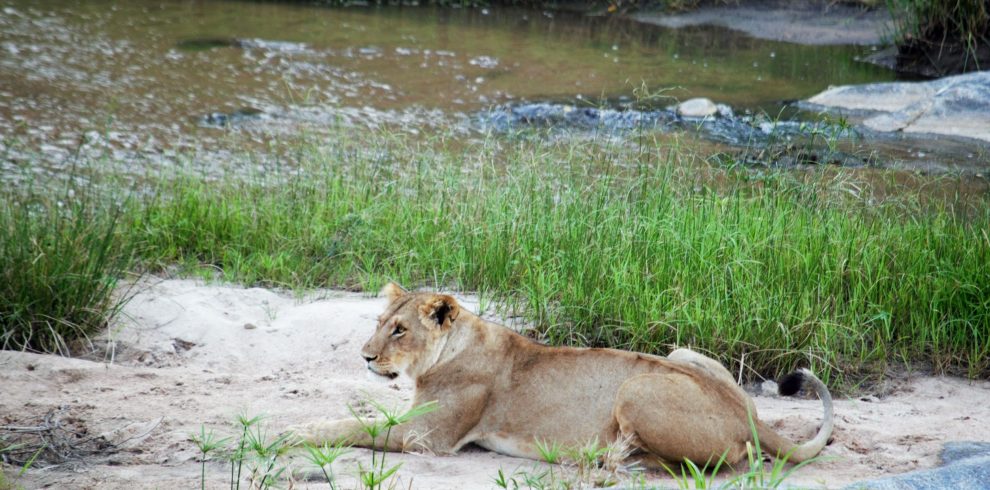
(363, 432)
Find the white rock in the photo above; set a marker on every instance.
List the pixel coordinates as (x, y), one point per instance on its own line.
(957, 105)
(697, 107)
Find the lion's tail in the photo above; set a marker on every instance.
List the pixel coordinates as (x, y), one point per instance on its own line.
(780, 446)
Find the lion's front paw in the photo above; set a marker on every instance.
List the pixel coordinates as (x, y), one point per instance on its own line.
(296, 435)
(323, 431)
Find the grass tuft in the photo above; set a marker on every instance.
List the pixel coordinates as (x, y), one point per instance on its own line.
(60, 262)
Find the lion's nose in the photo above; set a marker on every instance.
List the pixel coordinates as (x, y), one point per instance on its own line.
(369, 358)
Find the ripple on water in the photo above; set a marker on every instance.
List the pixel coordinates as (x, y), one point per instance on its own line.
(153, 81)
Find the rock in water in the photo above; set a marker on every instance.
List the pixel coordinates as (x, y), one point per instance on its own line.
(227, 119)
(953, 106)
(698, 107)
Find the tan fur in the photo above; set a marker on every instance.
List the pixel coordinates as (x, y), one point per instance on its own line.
(504, 392)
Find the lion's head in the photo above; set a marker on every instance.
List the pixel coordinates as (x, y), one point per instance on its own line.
(410, 333)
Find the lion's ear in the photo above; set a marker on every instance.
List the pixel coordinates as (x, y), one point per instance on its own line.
(439, 311)
(393, 291)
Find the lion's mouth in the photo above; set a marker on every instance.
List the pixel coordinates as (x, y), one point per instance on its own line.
(384, 374)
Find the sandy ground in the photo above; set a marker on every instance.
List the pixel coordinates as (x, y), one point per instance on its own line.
(190, 354)
(821, 23)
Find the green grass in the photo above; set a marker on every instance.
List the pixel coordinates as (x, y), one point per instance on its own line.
(602, 243)
(961, 20)
(60, 261)
(945, 24)
(599, 248)
(255, 451)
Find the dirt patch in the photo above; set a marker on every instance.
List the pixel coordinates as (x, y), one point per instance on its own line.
(816, 23)
(201, 355)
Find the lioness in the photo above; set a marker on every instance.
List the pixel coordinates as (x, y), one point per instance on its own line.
(504, 392)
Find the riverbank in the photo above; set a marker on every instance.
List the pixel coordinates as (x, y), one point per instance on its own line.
(197, 85)
(767, 257)
(671, 246)
(187, 355)
(929, 38)
(810, 22)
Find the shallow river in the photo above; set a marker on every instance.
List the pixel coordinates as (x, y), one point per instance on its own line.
(163, 76)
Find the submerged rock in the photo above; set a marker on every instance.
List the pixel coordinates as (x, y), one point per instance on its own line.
(953, 106)
(207, 43)
(714, 121)
(762, 142)
(265, 44)
(570, 116)
(227, 119)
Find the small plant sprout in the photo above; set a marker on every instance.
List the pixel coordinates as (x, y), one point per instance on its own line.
(374, 477)
(324, 457)
(550, 452)
(692, 476)
(587, 460)
(265, 472)
(593, 465)
(538, 480)
(506, 482)
(27, 464)
(207, 442)
(237, 455)
(5, 447)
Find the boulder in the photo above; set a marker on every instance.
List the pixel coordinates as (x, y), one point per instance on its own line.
(953, 106)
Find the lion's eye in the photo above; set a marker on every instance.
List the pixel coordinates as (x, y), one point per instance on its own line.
(399, 330)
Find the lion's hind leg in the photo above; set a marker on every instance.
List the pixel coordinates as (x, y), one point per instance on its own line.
(673, 417)
(713, 368)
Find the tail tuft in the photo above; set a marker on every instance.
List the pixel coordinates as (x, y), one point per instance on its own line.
(791, 384)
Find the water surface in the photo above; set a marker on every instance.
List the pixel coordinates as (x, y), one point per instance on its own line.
(142, 75)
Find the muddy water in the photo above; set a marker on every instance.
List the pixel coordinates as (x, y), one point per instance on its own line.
(148, 81)
(157, 76)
